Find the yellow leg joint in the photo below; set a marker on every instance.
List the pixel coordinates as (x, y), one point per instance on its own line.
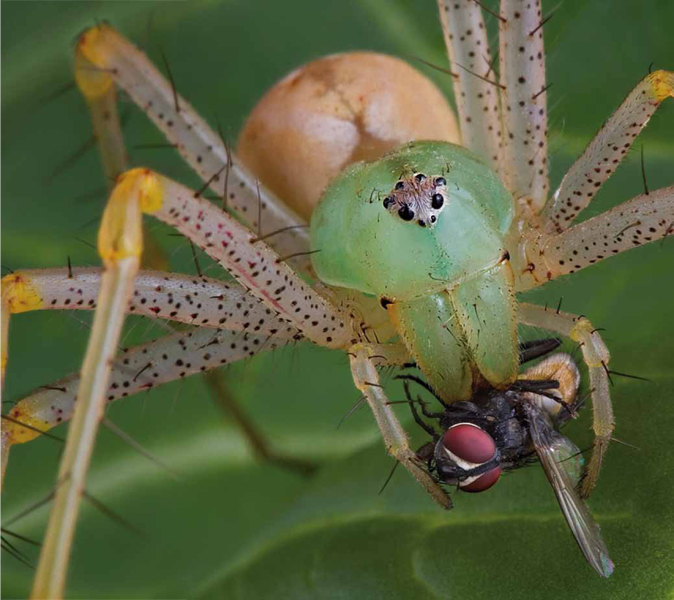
(136, 191)
(15, 430)
(19, 294)
(582, 327)
(595, 352)
(91, 73)
(662, 84)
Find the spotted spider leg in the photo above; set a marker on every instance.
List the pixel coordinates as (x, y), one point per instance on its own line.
(596, 356)
(366, 378)
(193, 300)
(103, 50)
(475, 91)
(641, 220)
(606, 150)
(254, 264)
(250, 327)
(554, 247)
(155, 363)
(137, 369)
(187, 299)
(523, 168)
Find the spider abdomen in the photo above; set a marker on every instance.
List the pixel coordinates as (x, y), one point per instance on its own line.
(333, 112)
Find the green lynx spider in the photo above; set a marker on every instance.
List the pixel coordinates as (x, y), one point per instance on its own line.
(545, 226)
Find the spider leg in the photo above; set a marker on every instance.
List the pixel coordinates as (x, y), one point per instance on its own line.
(596, 356)
(475, 89)
(606, 150)
(424, 385)
(366, 378)
(638, 221)
(523, 167)
(100, 95)
(108, 55)
(186, 299)
(136, 369)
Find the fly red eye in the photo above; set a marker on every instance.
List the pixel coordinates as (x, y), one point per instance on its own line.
(470, 443)
(483, 482)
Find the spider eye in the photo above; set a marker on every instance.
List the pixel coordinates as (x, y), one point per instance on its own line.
(387, 201)
(420, 177)
(437, 201)
(400, 185)
(406, 213)
(474, 445)
(440, 181)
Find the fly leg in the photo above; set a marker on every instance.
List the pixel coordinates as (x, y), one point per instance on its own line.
(415, 413)
(537, 348)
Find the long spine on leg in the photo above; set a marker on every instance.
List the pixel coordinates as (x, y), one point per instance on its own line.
(199, 145)
(606, 150)
(120, 246)
(475, 90)
(524, 167)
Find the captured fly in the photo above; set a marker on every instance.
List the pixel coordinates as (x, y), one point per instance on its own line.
(498, 431)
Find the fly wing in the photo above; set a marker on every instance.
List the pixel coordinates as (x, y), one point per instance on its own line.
(554, 450)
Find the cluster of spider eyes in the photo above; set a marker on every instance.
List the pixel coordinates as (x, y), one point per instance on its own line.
(417, 197)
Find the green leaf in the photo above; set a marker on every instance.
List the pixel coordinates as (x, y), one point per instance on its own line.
(231, 527)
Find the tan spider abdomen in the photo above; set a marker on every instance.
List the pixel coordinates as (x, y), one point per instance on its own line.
(335, 111)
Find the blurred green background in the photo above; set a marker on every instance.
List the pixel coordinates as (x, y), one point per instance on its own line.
(236, 529)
